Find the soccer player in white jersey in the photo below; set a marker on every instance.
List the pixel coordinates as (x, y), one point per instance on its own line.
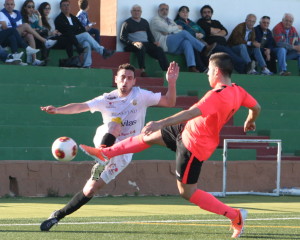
(123, 111)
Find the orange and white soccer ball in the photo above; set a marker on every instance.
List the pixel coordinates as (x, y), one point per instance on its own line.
(64, 149)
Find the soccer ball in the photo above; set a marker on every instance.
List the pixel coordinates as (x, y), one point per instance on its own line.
(64, 149)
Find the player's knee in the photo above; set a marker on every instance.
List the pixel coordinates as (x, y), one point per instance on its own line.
(114, 128)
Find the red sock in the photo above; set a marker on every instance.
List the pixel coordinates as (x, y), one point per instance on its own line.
(209, 203)
(128, 145)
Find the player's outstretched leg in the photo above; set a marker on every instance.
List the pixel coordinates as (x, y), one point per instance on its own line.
(95, 153)
(238, 223)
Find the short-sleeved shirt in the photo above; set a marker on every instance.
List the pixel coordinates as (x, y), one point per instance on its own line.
(3, 18)
(131, 109)
(201, 134)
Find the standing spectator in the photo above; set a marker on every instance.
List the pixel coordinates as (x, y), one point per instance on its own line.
(10, 18)
(287, 40)
(68, 24)
(137, 37)
(242, 41)
(64, 41)
(264, 37)
(182, 19)
(83, 17)
(215, 32)
(173, 39)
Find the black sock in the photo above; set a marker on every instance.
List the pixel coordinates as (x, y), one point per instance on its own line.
(108, 140)
(76, 202)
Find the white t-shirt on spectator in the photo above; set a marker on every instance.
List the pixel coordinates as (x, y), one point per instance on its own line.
(3, 18)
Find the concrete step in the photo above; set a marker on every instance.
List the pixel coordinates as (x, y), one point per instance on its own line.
(113, 62)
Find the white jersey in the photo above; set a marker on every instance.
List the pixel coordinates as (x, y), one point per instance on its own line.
(132, 110)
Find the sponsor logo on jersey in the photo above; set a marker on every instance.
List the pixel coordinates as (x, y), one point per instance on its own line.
(110, 105)
(128, 123)
(109, 97)
(125, 112)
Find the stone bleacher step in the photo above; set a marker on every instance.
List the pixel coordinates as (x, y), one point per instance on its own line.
(113, 62)
(274, 157)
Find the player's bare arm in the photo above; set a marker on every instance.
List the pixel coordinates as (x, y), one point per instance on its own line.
(177, 118)
(169, 100)
(71, 108)
(249, 124)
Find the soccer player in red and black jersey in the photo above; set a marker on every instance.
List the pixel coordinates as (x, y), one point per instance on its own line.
(194, 135)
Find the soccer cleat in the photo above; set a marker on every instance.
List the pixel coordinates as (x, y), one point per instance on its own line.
(96, 171)
(50, 43)
(30, 50)
(238, 223)
(50, 222)
(95, 153)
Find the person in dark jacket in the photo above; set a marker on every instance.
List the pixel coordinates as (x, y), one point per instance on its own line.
(63, 25)
(264, 36)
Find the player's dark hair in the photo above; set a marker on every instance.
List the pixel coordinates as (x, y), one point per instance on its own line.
(126, 66)
(83, 4)
(206, 6)
(223, 61)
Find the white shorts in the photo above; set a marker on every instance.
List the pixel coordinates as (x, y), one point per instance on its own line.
(116, 164)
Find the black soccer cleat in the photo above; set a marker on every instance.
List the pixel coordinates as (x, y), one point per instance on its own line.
(49, 223)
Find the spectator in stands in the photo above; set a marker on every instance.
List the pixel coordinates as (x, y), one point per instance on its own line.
(32, 16)
(83, 17)
(215, 32)
(287, 40)
(182, 19)
(68, 24)
(173, 39)
(137, 37)
(14, 59)
(10, 18)
(264, 37)
(11, 38)
(64, 41)
(242, 41)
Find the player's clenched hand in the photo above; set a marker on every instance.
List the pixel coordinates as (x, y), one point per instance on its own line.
(172, 73)
(249, 126)
(151, 127)
(49, 109)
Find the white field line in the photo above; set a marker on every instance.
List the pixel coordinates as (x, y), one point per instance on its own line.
(158, 221)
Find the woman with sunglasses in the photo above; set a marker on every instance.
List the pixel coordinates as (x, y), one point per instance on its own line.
(31, 16)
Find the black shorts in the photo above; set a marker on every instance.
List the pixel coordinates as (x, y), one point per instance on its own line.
(188, 167)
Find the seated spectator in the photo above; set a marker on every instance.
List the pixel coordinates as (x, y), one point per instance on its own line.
(10, 18)
(11, 38)
(83, 17)
(7, 58)
(287, 41)
(63, 24)
(215, 32)
(264, 37)
(242, 40)
(182, 19)
(64, 41)
(173, 39)
(137, 37)
(32, 16)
